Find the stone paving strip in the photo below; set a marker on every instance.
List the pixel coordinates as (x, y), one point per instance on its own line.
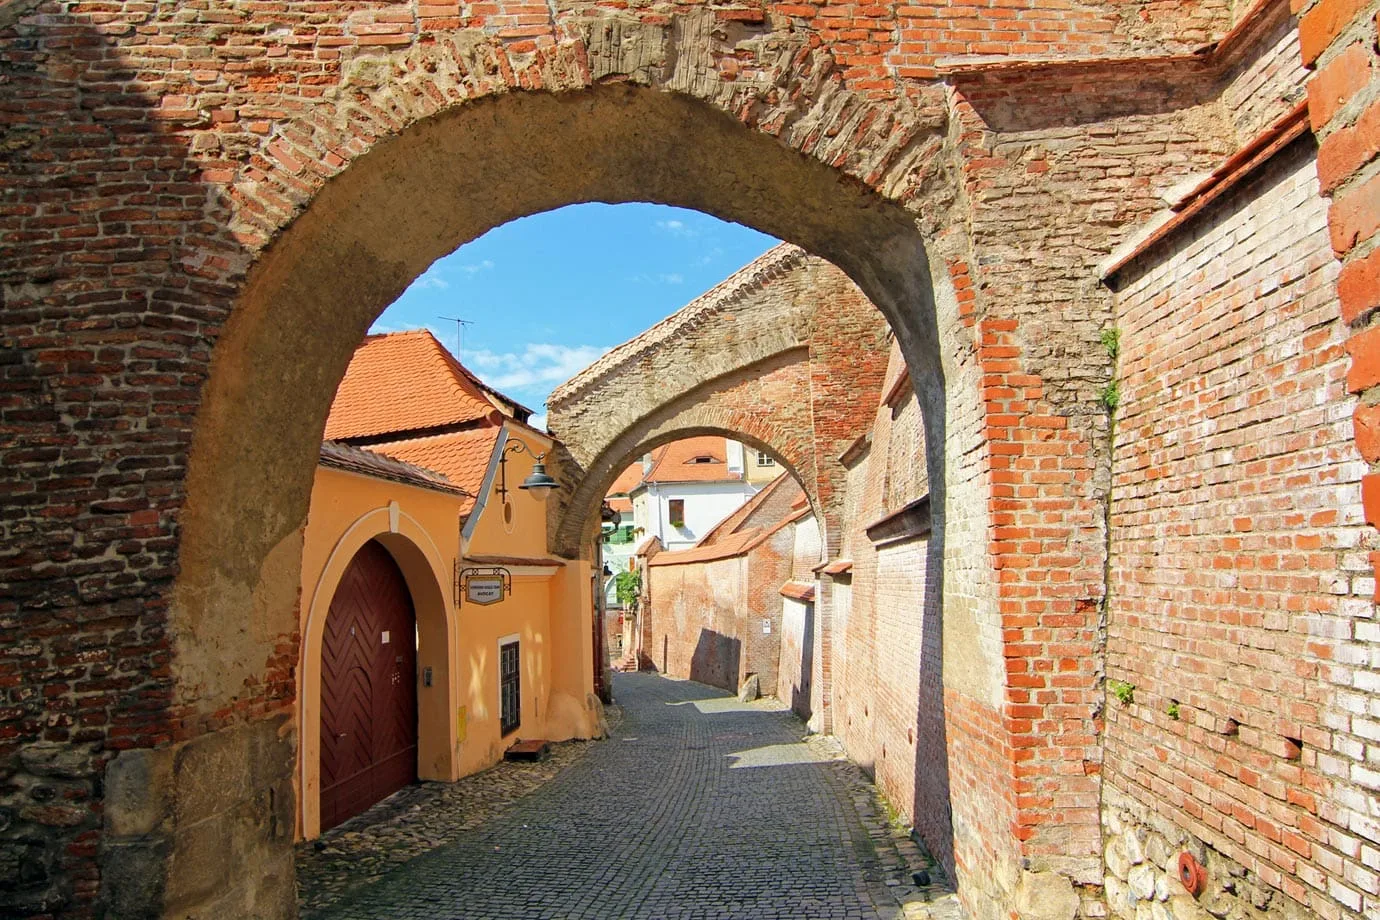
(697, 807)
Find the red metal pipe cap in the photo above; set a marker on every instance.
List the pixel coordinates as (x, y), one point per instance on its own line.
(1192, 874)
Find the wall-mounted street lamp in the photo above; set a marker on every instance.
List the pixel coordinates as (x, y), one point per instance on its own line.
(608, 516)
(538, 482)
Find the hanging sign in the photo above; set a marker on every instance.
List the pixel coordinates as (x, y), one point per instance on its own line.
(484, 586)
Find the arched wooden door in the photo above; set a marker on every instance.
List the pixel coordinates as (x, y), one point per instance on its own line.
(368, 688)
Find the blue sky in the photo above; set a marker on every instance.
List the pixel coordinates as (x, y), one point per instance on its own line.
(550, 293)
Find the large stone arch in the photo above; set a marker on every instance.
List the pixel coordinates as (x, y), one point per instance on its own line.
(335, 267)
(787, 352)
(332, 269)
(300, 186)
(717, 409)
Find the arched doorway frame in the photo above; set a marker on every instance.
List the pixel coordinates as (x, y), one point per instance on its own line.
(333, 268)
(424, 568)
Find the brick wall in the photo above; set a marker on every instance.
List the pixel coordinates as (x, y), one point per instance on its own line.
(1241, 590)
(787, 312)
(888, 660)
(704, 620)
(1338, 42)
(160, 161)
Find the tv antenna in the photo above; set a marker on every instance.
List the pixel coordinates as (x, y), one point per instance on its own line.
(460, 325)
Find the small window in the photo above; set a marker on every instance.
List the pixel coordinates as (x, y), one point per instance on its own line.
(765, 459)
(509, 688)
(702, 460)
(677, 512)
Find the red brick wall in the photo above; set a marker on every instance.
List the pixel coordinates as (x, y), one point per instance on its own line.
(889, 699)
(713, 611)
(154, 153)
(1338, 40)
(694, 610)
(1240, 586)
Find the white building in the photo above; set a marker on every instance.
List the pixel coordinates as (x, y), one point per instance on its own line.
(687, 487)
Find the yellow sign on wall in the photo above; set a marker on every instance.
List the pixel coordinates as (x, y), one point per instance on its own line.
(482, 586)
(460, 724)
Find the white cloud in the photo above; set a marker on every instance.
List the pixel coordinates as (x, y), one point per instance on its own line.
(538, 422)
(430, 280)
(538, 364)
(676, 228)
(659, 278)
(475, 268)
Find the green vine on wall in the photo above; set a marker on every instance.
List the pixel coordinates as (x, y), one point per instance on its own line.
(1124, 692)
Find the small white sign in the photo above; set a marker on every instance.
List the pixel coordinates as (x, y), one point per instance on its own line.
(385, 637)
(766, 627)
(484, 590)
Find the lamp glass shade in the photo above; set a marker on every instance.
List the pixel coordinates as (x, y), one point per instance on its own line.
(538, 482)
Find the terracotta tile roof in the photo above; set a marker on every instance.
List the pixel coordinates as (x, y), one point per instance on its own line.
(502, 401)
(735, 544)
(404, 381)
(461, 456)
(677, 462)
(735, 519)
(620, 504)
(798, 590)
(356, 460)
(627, 480)
(731, 545)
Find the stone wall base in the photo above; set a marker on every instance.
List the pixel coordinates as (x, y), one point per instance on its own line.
(202, 829)
(1141, 852)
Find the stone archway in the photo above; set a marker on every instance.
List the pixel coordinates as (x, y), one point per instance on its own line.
(787, 352)
(308, 200)
(333, 269)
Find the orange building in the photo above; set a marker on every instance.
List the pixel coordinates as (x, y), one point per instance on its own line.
(436, 630)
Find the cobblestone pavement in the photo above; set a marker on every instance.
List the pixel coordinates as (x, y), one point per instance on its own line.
(698, 807)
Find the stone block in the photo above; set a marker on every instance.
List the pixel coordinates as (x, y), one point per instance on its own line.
(211, 774)
(138, 792)
(1133, 844)
(1142, 882)
(1115, 855)
(200, 855)
(133, 875)
(1119, 900)
(60, 761)
(1183, 907)
(1046, 896)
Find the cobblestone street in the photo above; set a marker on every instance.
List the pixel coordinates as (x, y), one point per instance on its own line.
(697, 806)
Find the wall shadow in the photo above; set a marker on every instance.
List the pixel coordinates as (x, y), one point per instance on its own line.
(932, 810)
(715, 660)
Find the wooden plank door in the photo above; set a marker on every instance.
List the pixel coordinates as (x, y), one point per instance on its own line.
(368, 688)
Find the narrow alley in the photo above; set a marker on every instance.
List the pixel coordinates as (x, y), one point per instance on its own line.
(697, 806)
